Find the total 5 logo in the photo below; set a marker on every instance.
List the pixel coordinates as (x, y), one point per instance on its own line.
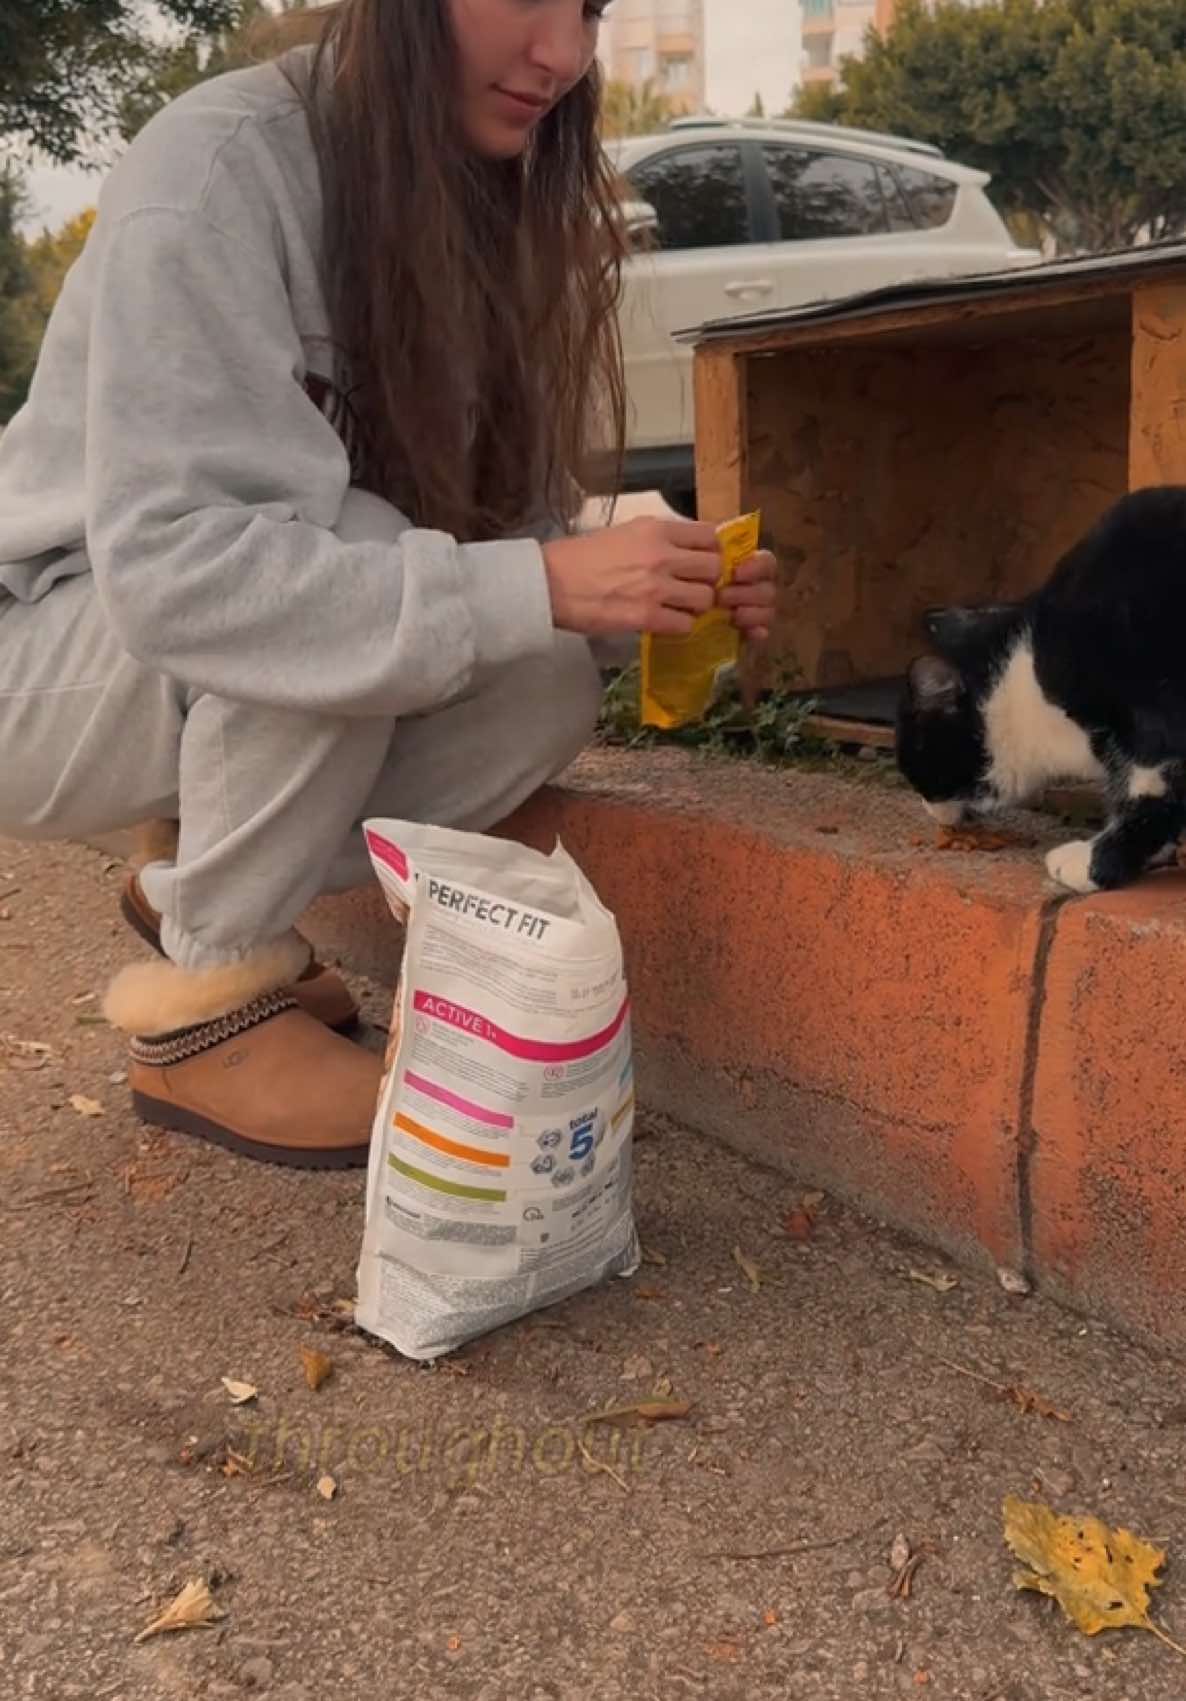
(566, 1151)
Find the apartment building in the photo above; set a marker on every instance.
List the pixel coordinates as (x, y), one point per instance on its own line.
(660, 42)
(835, 29)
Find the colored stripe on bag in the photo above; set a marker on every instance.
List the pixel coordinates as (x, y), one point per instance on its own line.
(622, 1110)
(384, 851)
(474, 1154)
(455, 1189)
(442, 1095)
(533, 1051)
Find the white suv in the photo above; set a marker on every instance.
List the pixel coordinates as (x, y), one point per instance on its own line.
(738, 215)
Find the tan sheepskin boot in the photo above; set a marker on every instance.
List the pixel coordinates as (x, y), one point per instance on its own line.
(228, 1054)
(319, 991)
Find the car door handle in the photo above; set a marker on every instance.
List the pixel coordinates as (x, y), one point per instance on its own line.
(749, 286)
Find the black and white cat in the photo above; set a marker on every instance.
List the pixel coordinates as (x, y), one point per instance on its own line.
(1083, 680)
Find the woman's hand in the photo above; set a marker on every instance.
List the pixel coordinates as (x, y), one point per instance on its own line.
(750, 596)
(646, 575)
(654, 575)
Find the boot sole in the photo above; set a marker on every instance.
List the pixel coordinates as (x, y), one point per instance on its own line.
(139, 926)
(178, 1120)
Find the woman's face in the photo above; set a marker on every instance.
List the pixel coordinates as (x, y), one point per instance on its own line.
(516, 59)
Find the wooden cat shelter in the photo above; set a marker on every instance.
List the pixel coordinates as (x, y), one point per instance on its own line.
(933, 444)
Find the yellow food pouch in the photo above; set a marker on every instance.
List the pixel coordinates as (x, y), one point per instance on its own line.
(678, 674)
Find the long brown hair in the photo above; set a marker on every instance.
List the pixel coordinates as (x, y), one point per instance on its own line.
(473, 301)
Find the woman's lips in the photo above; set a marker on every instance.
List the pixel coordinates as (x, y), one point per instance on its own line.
(525, 107)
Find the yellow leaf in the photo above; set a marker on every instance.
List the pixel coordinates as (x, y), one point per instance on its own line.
(318, 1366)
(85, 1106)
(326, 1487)
(748, 1268)
(1100, 1577)
(193, 1609)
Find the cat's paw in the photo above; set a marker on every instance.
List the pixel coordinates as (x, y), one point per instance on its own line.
(1070, 865)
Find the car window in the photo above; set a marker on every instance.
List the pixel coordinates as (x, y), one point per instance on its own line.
(699, 195)
(818, 194)
(931, 198)
(896, 205)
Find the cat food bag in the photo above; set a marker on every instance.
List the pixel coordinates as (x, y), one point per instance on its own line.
(679, 673)
(500, 1175)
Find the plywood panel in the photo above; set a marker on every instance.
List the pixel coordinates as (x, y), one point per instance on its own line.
(721, 431)
(893, 480)
(1157, 442)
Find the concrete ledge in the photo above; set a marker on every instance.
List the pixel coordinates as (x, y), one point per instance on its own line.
(1108, 1174)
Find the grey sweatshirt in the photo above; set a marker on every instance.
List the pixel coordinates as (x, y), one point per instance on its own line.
(178, 442)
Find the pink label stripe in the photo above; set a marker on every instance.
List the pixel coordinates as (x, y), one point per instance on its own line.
(534, 1051)
(384, 851)
(442, 1095)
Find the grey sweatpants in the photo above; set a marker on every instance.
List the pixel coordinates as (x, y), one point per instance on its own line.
(269, 802)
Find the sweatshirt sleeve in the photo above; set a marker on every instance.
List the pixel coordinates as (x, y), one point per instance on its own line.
(214, 484)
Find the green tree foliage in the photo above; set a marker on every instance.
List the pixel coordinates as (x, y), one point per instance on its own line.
(20, 329)
(67, 66)
(1076, 107)
(822, 103)
(630, 111)
(257, 31)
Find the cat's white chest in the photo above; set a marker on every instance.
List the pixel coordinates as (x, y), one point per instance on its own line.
(1031, 741)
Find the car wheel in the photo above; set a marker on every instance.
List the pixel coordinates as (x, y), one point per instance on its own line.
(682, 497)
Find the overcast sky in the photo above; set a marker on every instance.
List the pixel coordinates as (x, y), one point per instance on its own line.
(751, 45)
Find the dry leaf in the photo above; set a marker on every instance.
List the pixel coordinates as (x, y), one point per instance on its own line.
(643, 1291)
(730, 1651)
(647, 1411)
(662, 1388)
(899, 1553)
(240, 1392)
(326, 1487)
(85, 1106)
(970, 838)
(26, 1048)
(637, 1368)
(800, 1225)
(899, 1586)
(193, 1609)
(940, 1283)
(649, 1256)
(14, 1060)
(1027, 1401)
(453, 1644)
(769, 1617)
(1012, 1281)
(748, 1269)
(1100, 1577)
(317, 1366)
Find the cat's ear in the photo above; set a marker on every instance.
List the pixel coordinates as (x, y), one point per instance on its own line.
(954, 631)
(936, 685)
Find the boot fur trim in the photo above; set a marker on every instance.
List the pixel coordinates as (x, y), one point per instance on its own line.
(150, 999)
